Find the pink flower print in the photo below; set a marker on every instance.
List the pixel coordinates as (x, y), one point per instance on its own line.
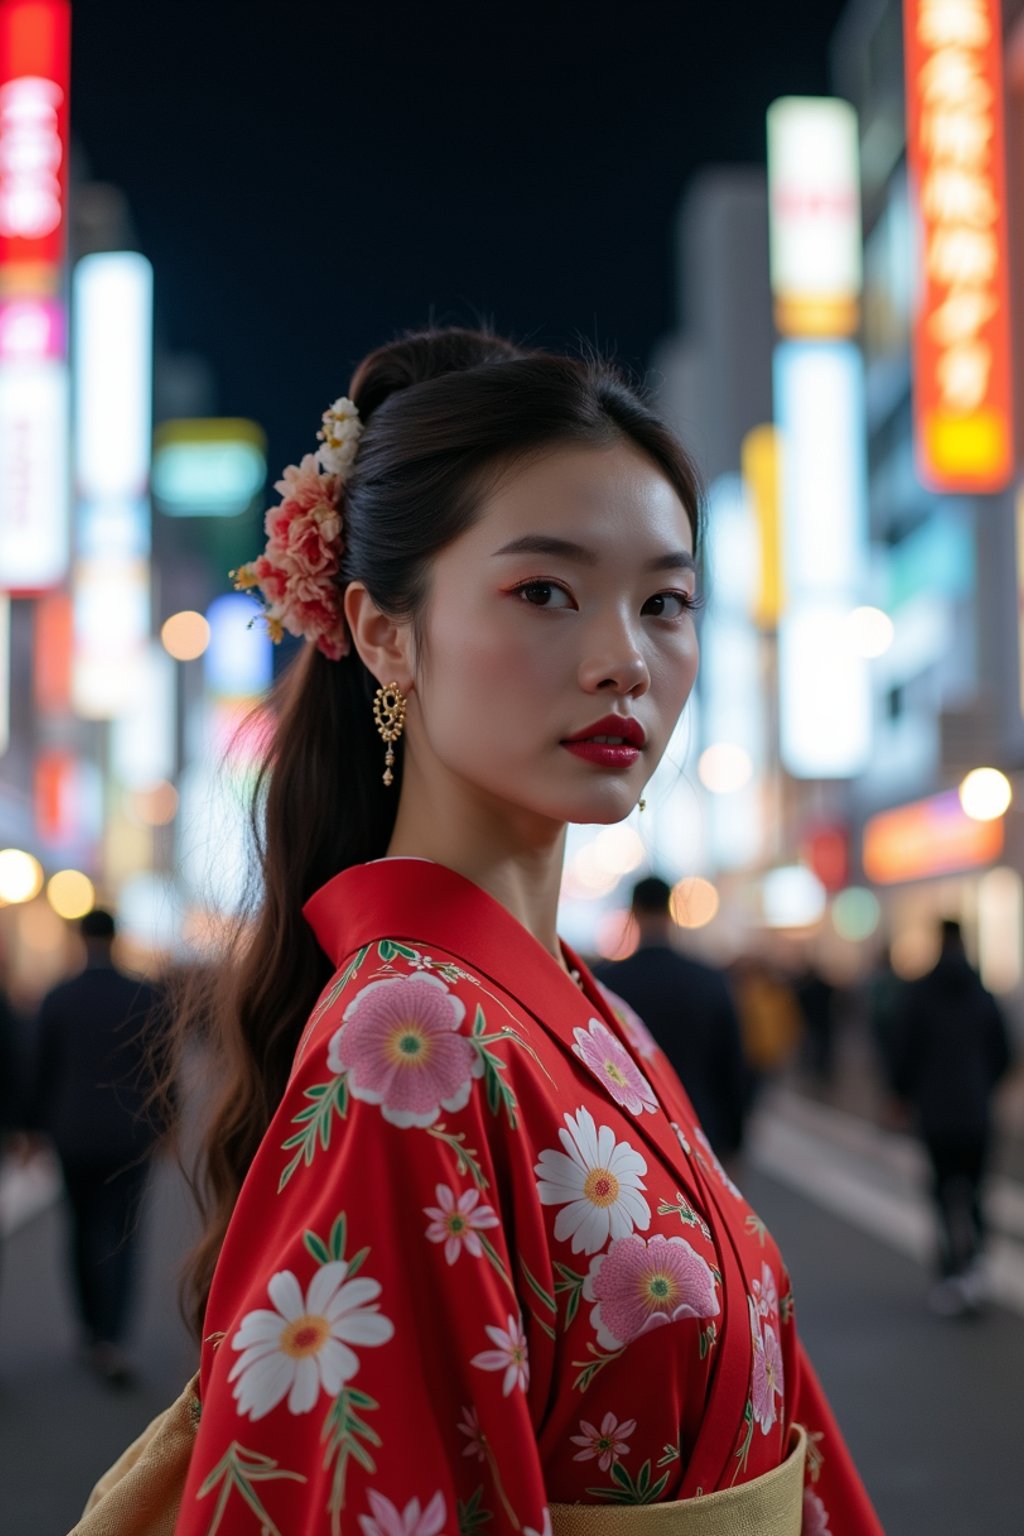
(634, 1028)
(400, 1045)
(456, 1223)
(639, 1284)
(608, 1443)
(470, 1427)
(815, 1522)
(767, 1381)
(766, 1293)
(509, 1356)
(386, 1520)
(609, 1060)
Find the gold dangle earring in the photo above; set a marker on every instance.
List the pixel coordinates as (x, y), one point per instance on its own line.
(641, 805)
(389, 713)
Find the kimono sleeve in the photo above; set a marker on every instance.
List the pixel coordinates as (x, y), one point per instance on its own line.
(384, 1353)
(835, 1500)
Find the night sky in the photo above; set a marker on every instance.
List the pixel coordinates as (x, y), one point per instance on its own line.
(310, 179)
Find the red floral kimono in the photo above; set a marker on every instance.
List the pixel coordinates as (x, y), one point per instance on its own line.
(485, 1257)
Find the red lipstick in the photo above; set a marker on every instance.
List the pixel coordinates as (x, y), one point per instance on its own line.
(622, 751)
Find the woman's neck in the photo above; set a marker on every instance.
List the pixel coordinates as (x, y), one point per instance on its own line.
(526, 881)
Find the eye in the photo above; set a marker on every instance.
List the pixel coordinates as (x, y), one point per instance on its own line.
(685, 603)
(535, 592)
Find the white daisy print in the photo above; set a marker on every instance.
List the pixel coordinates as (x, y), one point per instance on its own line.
(545, 1526)
(301, 1348)
(457, 1222)
(597, 1182)
(509, 1356)
(387, 1521)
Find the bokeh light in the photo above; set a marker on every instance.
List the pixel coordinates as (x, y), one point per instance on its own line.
(156, 805)
(694, 902)
(617, 934)
(985, 794)
(855, 913)
(185, 635)
(724, 768)
(70, 893)
(871, 632)
(793, 897)
(21, 876)
(619, 849)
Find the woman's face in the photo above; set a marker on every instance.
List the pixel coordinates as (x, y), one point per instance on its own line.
(528, 643)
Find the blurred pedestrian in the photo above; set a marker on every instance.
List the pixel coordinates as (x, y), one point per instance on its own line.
(689, 1010)
(770, 1023)
(95, 1058)
(816, 998)
(884, 997)
(950, 1049)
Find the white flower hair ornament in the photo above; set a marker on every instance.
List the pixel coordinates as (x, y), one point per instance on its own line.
(295, 578)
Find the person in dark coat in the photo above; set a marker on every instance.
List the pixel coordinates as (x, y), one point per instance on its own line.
(950, 1049)
(690, 1012)
(93, 1076)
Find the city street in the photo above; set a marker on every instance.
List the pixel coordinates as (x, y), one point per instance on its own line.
(931, 1408)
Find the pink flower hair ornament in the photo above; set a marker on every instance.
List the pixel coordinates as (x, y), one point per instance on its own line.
(295, 578)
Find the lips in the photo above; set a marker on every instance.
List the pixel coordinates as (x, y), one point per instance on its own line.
(621, 728)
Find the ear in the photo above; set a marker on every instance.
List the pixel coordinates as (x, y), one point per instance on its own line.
(385, 645)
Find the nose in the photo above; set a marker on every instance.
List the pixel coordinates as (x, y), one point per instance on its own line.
(614, 663)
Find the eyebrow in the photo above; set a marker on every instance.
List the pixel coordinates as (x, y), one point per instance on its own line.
(547, 544)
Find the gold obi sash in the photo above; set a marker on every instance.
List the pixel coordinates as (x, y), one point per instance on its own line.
(141, 1493)
(769, 1505)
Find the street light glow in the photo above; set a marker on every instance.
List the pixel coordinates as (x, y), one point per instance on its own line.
(21, 876)
(985, 794)
(185, 635)
(70, 893)
(871, 632)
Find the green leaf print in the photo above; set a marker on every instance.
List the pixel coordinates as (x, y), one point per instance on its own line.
(466, 1158)
(317, 1248)
(537, 1289)
(756, 1226)
(339, 986)
(669, 1454)
(685, 1211)
(315, 1121)
(389, 948)
(591, 1368)
(344, 1430)
(498, 1091)
(570, 1285)
(748, 1439)
(708, 1338)
(626, 1491)
(471, 1516)
(237, 1470)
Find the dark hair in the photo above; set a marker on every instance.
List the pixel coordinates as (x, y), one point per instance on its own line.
(97, 924)
(651, 894)
(444, 411)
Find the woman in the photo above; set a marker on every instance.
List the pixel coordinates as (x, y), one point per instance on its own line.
(472, 1257)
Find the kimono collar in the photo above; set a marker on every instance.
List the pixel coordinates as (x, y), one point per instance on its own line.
(427, 903)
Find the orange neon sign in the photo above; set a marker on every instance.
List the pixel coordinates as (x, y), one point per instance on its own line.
(962, 380)
(929, 837)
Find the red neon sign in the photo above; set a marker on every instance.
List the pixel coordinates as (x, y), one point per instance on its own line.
(35, 49)
(962, 380)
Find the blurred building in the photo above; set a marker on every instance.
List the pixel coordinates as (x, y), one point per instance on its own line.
(108, 528)
(847, 367)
